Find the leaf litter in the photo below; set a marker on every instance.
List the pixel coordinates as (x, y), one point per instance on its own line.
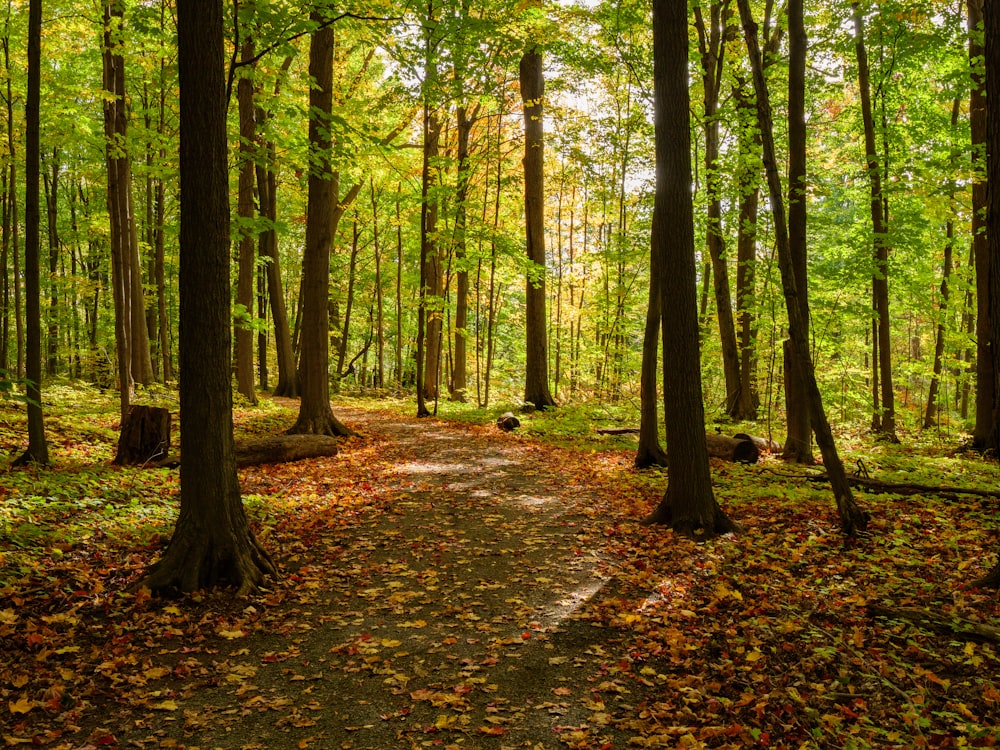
(453, 586)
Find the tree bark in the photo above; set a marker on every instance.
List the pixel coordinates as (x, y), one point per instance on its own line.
(992, 62)
(746, 256)
(536, 368)
(650, 452)
(739, 450)
(213, 544)
(985, 388)
(267, 248)
(689, 504)
(711, 47)
(931, 412)
(798, 438)
(315, 414)
(459, 376)
(852, 518)
(880, 281)
(145, 436)
(279, 449)
(38, 449)
(246, 266)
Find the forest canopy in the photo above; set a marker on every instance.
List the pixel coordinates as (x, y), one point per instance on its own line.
(392, 62)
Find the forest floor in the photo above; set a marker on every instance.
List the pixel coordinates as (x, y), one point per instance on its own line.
(448, 585)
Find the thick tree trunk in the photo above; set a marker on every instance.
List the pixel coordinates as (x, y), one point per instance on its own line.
(985, 388)
(536, 369)
(689, 504)
(315, 414)
(38, 449)
(213, 544)
(992, 62)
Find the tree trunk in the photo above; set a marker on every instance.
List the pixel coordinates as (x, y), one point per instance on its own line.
(246, 265)
(213, 544)
(536, 369)
(852, 518)
(746, 257)
(315, 414)
(349, 306)
(459, 376)
(930, 413)
(991, 29)
(689, 504)
(711, 46)
(650, 452)
(433, 278)
(992, 61)
(267, 248)
(50, 184)
(798, 438)
(379, 295)
(985, 388)
(880, 281)
(38, 449)
(115, 125)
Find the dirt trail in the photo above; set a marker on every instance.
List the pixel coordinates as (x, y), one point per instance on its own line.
(453, 615)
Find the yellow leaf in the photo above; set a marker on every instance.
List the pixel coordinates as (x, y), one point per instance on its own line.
(754, 655)
(445, 722)
(858, 637)
(391, 643)
(7, 617)
(170, 705)
(231, 634)
(22, 706)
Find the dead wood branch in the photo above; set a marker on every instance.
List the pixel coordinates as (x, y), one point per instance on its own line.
(956, 627)
(907, 488)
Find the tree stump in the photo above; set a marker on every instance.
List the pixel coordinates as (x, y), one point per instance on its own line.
(145, 436)
(508, 422)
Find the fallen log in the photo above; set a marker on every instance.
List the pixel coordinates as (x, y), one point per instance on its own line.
(956, 627)
(280, 449)
(739, 448)
(732, 448)
(275, 449)
(764, 445)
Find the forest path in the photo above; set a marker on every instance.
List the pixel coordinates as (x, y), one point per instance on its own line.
(447, 610)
